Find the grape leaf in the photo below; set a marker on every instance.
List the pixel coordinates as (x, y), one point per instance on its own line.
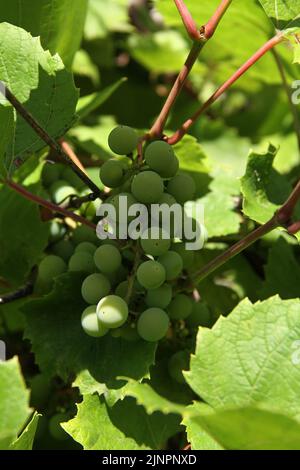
(41, 84)
(246, 428)
(282, 272)
(58, 22)
(281, 12)
(197, 436)
(141, 431)
(25, 440)
(62, 348)
(105, 17)
(14, 398)
(23, 236)
(263, 188)
(247, 358)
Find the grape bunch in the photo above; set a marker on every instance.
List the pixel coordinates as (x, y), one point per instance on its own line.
(133, 290)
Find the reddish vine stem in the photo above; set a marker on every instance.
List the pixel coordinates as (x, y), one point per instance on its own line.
(42, 133)
(48, 205)
(239, 73)
(72, 155)
(188, 21)
(200, 37)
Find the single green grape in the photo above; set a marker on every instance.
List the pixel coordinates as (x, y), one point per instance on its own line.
(95, 287)
(82, 261)
(147, 187)
(120, 202)
(55, 429)
(177, 364)
(187, 256)
(151, 274)
(112, 173)
(84, 234)
(107, 258)
(87, 247)
(160, 157)
(64, 249)
(173, 264)
(91, 324)
(155, 242)
(200, 316)
(153, 324)
(57, 231)
(160, 297)
(180, 307)
(61, 190)
(182, 187)
(123, 140)
(51, 173)
(51, 266)
(112, 311)
(167, 199)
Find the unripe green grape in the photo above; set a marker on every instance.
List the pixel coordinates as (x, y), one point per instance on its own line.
(187, 256)
(182, 187)
(112, 173)
(156, 246)
(116, 202)
(64, 249)
(200, 316)
(122, 289)
(153, 324)
(107, 258)
(123, 140)
(51, 173)
(84, 234)
(57, 231)
(51, 266)
(89, 209)
(86, 247)
(167, 199)
(129, 333)
(91, 324)
(160, 297)
(112, 311)
(177, 364)
(82, 261)
(180, 307)
(147, 187)
(151, 274)
(55, 429)
(173, 264)
(160, 157)
(61, 190)
(95, 287)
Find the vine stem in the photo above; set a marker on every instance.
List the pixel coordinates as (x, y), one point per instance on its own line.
(48, 205)
(289, 95)
(72, 155)
(22, 292)
(42, 133)
(223, 88)
(188, 21)
(200, 37)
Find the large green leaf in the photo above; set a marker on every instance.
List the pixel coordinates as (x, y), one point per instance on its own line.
(23, 236)
(281, 12)
(58, 22)
(263, 188)
(245, 429)
(25, 440)
(125, 426)
(247, 358)
(14, 398)
(62, 348)
(41, 84)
